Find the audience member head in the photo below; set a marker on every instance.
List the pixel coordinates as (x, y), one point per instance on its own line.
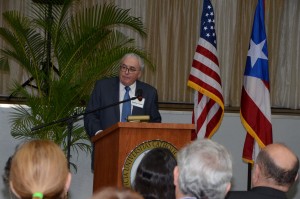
(204, 170)
(276, 166)
(5, 176)
(115, 193)
(130, 69)
(38, 170)
(154, 175)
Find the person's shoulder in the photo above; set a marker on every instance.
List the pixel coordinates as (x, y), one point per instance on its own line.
(144, 85)
(239, 195)
(107, 81)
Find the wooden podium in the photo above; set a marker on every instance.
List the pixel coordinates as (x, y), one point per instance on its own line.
(113, 145)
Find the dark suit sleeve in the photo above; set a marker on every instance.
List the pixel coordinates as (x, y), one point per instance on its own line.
(154, 113)
(92, 122)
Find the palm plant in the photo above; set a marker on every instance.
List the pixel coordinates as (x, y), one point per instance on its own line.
(83, 47)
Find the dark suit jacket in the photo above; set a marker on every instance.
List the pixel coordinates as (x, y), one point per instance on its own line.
(257, 193)
(106, 92)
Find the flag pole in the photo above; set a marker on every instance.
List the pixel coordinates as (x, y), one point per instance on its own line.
(249, 176)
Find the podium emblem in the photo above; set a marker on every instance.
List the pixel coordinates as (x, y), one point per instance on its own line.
(133, 159)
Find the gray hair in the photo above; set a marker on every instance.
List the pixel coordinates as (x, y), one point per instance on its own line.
(140, 60)
(205, 169)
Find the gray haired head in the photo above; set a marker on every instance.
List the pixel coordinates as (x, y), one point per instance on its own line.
(205, 170)
(140, 60)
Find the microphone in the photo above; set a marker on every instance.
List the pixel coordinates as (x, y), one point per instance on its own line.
(139, 94)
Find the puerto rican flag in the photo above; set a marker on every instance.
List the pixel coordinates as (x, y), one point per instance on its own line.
(255, 110)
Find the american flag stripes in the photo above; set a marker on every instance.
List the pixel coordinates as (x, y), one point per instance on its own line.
(205, 78)
(255, 100)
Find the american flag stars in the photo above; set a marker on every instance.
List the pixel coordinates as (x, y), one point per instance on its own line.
(208, 26)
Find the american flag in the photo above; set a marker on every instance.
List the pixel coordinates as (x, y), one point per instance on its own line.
(255, 101)
(205, 78)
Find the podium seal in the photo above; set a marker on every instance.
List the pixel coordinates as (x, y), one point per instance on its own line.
(134, 157)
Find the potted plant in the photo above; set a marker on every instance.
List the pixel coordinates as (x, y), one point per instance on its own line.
(64, 53)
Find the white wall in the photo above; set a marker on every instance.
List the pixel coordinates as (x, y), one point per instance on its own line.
(231, 134)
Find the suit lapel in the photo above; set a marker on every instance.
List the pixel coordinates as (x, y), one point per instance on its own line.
(137, 110)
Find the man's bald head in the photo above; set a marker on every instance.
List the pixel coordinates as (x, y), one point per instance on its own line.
(278, 164)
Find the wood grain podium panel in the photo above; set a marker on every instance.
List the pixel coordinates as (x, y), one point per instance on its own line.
(113, 145)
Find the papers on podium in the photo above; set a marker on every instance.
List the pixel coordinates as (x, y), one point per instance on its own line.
(138, 118)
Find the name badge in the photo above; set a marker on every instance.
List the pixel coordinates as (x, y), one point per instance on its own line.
(138, 103)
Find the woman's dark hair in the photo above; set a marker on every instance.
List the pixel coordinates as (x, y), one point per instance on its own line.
(154, 175)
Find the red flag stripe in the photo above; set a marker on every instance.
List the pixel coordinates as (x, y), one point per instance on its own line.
(215, 121)
(201, 56)
(214, 81)
(205, 88)
(253, 86)
(206, 70)
(248, 149)
(205, 110)
(208, 116)
(258, 124)
(207, 53)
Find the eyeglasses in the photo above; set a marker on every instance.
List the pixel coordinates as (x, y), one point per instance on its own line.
(126, 68)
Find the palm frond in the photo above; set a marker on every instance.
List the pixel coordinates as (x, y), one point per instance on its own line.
(4, 66)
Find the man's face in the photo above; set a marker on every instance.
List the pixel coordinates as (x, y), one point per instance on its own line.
(130, 71)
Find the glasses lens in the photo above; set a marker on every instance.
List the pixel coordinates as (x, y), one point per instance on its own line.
(124, 68)
(132, 69)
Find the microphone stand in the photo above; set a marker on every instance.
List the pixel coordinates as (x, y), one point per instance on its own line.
(70, 121)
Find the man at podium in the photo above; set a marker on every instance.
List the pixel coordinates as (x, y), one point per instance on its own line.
(113, 90)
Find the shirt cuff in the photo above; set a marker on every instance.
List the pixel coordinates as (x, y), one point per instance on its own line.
(98, 132)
